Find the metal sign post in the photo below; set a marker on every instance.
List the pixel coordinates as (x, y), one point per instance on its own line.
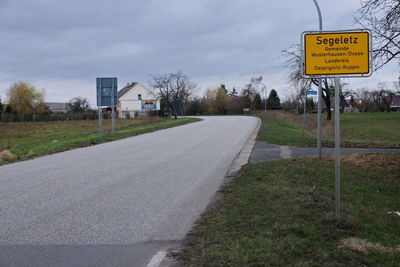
(319, 129)
(107, 93)
(113, 106)
(100, 120)
(337, 148)
(334, 55)
(304, 111)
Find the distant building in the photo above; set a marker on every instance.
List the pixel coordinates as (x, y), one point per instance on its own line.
(57, 106)
(135, 99)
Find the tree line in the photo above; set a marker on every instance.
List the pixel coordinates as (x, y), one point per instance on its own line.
(26, 103)
(178, 87)
(361, 100)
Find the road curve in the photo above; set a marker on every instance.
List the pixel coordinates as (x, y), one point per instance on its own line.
(117, 203)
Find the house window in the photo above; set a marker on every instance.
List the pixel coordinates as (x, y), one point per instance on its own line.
(139, 96)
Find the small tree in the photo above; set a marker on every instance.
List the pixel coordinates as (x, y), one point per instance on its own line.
(310, 104)
(235, 105)
(273, 101)
(383, 97)
(221, 100)
(194, 107)
(78, 105)
(250, 92)
(23, 98)
(366, 101)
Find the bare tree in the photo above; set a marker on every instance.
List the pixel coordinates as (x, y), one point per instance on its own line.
(366, 101)
(181, 86)
(250, 91)
(161, 85)
(383, 97)
(173, 87)
(294, 65)
(344, 93)
(382, 18)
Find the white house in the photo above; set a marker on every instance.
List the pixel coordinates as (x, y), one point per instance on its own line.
(135, 99)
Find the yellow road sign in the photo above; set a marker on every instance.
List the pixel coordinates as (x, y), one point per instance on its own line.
(337, 53)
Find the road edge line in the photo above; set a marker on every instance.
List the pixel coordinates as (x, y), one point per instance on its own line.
(157, 259)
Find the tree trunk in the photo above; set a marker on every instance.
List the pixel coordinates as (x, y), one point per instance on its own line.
(328, 111)
(327, 99)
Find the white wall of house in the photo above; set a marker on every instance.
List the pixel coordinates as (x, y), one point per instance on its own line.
(130, 102)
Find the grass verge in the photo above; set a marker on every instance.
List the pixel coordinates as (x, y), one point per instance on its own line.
(380, 130)
(29, 140)
(281, 213)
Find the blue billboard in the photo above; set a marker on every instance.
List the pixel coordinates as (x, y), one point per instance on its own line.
(148, 105)
(107, 89)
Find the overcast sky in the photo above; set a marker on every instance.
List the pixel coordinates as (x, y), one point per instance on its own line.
(63, 46)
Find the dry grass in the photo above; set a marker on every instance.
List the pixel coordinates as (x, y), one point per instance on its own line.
(378, 162)
(364, 246)
(7, 155)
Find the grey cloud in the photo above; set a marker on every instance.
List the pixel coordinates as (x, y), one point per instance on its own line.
(80, 40)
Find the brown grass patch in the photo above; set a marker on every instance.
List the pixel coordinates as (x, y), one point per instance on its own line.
(363, 246)
(377, 162)
(7, 155)
(387, 162)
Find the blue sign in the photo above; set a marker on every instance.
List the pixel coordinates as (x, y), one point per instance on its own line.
(312, 92)
(107, 89)
(148, 105)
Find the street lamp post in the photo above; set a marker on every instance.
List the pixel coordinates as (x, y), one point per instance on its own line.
(265, 97)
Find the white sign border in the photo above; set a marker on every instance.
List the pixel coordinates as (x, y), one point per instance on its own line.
(370, 63)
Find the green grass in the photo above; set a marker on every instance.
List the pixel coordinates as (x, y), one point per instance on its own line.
(381, 130)
(281, 213)
(27, 140)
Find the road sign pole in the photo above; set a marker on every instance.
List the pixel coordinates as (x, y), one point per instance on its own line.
(337, 148)
(337, 54)
(113, 107)
(100, 109)
(319, 129)
(304, 111)
(319, 122)
(100, 120)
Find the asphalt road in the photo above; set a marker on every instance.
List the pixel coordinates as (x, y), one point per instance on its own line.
(118, 203)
